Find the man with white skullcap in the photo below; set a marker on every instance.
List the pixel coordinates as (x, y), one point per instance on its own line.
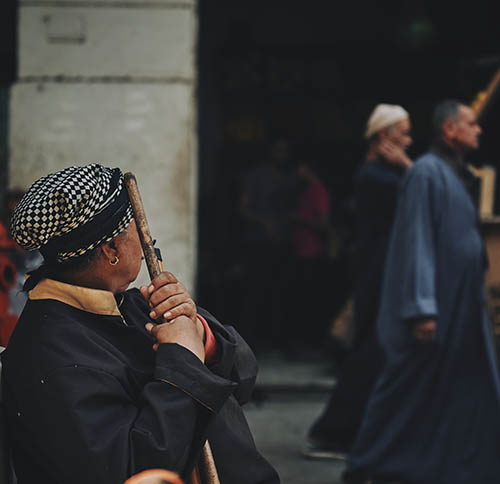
(376, 188)
(388, 134)
(94, 391)
(384, 116)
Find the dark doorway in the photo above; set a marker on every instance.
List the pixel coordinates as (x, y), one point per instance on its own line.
(312, 72)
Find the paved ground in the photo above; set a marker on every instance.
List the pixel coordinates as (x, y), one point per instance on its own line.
(288, 397)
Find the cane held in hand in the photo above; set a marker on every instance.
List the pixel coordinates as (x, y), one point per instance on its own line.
(154, 268)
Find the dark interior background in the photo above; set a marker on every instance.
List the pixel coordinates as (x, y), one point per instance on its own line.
(312, 72)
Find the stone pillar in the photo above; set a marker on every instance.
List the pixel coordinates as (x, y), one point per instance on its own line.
(113, 81)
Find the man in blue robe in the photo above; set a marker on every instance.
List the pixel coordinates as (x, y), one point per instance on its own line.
(434, 415)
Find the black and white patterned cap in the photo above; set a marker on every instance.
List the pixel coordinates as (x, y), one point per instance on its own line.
(71, 212)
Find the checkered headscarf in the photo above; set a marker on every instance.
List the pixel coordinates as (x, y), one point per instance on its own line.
(71, 212)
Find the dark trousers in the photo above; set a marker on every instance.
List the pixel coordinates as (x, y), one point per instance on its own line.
(343, 414)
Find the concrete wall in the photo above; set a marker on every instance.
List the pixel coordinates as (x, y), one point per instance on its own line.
(113, 82)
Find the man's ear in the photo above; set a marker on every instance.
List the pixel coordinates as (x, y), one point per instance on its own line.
(382, 134)
(109, 250)
(449, 129)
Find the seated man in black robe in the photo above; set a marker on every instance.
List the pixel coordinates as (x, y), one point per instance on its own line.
(94, 391)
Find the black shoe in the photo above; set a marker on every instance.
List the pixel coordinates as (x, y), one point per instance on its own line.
(321, 450)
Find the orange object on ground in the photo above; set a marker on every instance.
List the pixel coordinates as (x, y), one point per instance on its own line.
(155, 476)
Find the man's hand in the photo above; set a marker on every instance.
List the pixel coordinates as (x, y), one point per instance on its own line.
(424, 330)
(181, 330)
(394, 153)
(168, 298)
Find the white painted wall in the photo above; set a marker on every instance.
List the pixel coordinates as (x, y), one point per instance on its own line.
(113, 82)
(108, 41)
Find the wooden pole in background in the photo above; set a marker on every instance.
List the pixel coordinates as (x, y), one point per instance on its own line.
(484, 98)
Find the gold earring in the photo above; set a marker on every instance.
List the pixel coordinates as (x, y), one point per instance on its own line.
(114, 262)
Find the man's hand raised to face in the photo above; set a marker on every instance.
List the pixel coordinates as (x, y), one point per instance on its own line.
(394, 153)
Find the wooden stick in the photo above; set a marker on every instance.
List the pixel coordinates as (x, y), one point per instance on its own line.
(484, 98)
(208, 465)
(195, 476)
(154, 268)
(141, 221)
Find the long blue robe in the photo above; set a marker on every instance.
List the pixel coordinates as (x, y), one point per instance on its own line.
(434, 416)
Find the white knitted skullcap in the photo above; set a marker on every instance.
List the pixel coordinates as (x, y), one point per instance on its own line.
(382, 116)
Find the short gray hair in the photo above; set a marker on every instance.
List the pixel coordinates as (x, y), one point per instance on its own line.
(448, 109)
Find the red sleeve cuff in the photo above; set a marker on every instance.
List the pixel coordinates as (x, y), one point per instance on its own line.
(210, 342)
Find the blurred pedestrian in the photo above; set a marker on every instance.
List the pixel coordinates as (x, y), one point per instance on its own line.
(434, 415)
(266, 206)
(306, 325)
(376, 189)
(8, 320)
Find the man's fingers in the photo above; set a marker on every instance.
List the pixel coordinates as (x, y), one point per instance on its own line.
(165, 279)
(168, 298)
(173, 307)
(145, 293)
(183, 309)
(154, 329)
(162, 279)
(165, 292)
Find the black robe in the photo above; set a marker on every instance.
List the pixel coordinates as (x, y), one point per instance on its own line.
(89, 401)
(377, 188)
(377, 185)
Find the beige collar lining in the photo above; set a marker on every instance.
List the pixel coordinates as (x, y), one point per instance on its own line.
(94, 301)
